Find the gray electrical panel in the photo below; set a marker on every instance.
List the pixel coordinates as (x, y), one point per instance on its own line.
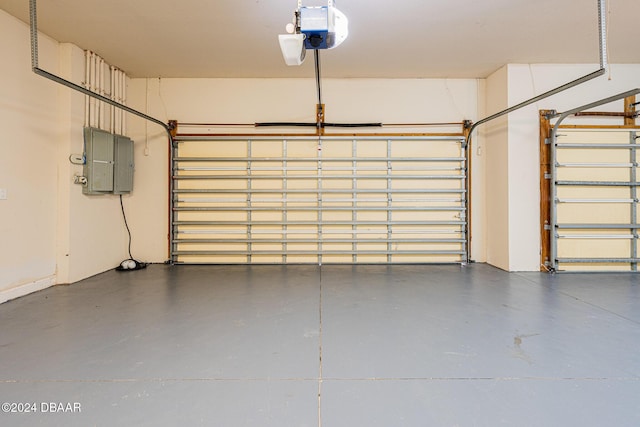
(108, 165)
(123, 167)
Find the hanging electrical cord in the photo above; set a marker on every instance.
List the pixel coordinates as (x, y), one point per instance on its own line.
(317, 68)
(320, 107)
(126, 224)
(131, 263)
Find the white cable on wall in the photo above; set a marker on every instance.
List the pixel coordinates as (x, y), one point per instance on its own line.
(86, 85)
(116, 89)
(116, 115)
(146, 110)
(92, 102)
(119, 100)
(121, 128)
(123, 88)
(101, 92)
(94, 80)
(112, 111)
(608, 20)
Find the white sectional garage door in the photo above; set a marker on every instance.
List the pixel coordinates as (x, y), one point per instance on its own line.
(310, 200)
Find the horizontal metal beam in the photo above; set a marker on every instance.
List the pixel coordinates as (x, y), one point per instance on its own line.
(598, 260)
(594, 226)
(314, 168)
(604, 201)
(598, 183)
(596, 165)
(314, 124)
(599, 146)
(313, 231)
(253, 124)
(325, 262)
(318, 223)
(320, 209)
(237, 138)
(312, 252)
(596, 236)
(315, 177)
(313, 200)
(315, 159)
(256, 241)
(323, 191)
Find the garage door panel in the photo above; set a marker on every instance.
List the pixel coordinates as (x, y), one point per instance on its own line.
(593, 213)
(328, 201)
(595, 200)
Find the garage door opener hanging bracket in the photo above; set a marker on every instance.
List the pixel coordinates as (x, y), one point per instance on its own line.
(36, 69)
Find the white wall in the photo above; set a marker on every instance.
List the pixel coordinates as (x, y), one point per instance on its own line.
(91, 236)
(50, 232)
(264, 100)
(496, 192)
(505, 207)
(29, 144)
(148, 209)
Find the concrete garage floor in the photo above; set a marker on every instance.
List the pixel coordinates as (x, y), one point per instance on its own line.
(331, 346)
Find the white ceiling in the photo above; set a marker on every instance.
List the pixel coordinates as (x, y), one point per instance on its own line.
(388, 39)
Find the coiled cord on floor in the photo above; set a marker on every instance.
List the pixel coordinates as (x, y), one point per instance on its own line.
(131, 263)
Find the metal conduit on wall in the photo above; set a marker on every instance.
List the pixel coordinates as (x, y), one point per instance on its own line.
(98, 114)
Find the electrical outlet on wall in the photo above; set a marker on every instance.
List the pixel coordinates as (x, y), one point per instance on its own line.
(3, 194)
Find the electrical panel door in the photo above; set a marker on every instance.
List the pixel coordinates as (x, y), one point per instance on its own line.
(123, 167)
(98, 167)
